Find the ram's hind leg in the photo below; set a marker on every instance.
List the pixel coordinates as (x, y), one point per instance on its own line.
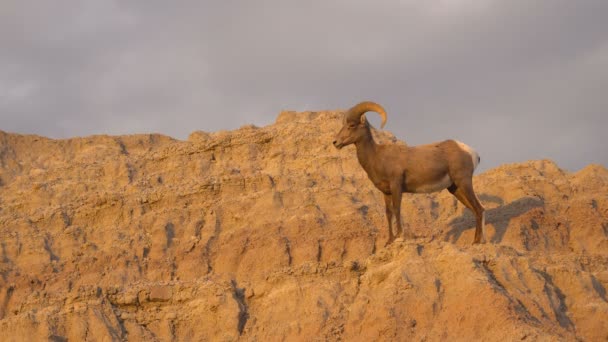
(465, 194)
(388, 201)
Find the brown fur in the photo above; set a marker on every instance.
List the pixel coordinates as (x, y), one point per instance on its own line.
(396, 169)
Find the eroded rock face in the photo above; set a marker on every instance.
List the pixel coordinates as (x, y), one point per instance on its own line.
(271, 233)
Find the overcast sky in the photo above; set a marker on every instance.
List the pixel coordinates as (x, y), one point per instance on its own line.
(515, 79)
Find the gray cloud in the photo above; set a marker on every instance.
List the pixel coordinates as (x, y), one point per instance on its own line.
(517, 80)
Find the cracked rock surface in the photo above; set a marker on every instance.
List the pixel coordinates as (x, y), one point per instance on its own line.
(270, 233)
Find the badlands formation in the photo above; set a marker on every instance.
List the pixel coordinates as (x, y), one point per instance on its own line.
(271, 234)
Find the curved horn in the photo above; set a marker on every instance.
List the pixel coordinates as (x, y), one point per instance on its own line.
(367, 106)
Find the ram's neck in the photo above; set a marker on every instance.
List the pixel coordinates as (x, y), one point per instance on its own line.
(366, 152)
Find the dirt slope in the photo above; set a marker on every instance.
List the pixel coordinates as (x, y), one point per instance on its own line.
(271, 234)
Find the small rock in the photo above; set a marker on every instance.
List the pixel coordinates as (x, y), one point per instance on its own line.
(160, 293)
(127, 315)
(142, 296)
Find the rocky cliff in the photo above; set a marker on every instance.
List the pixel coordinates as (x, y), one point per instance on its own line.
(270, 233)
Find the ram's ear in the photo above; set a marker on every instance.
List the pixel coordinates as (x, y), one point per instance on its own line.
(363, 119)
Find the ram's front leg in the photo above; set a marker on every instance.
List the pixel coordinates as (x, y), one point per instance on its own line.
(388, 201)
(396, 198)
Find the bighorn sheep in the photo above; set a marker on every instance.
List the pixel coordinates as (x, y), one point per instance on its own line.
(395, 169)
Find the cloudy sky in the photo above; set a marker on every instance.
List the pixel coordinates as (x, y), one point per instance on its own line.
(516, 79)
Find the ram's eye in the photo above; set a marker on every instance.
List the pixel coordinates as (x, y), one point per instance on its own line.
(351, 126)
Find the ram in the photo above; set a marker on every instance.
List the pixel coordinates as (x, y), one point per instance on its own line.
(395, 169)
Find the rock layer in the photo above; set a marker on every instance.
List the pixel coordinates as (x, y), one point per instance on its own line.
(272, 234)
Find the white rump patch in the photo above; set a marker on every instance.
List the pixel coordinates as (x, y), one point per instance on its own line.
(468, 149)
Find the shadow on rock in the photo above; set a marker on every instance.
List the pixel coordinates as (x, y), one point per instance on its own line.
(499, 217)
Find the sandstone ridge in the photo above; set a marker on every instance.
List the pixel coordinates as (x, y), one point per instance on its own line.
(270, 233)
